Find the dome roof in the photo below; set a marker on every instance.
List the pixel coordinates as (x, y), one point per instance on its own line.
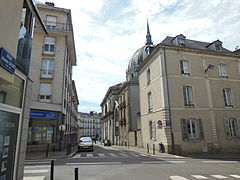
(138, 57)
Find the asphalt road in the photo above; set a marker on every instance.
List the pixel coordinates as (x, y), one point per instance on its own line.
(107, 163)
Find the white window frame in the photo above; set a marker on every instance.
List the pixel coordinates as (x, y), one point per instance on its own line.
(228, 97)
(188, 96)
(152, 130)
(148, 76)
(223, 72)
(47, 95)
(232, 127)
(47, 72)
(49, 45)
(150, 105)
(192, 129)
(185, 68)
(51, 22)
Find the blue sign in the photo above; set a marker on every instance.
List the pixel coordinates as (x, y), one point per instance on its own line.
(40, 114)
(168, 123)
(7, 61)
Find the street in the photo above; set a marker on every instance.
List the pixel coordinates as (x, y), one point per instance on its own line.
(107, 163)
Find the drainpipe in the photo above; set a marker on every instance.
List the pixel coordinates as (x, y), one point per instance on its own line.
(168, 99)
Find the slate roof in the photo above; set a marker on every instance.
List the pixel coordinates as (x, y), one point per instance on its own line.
(192, 44)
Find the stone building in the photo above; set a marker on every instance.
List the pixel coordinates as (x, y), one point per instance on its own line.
(90, 125)
(53, 115)
(189, 97)
(15, 86)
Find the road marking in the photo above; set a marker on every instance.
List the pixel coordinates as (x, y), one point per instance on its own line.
(89, 155)
(35, 171)
(176, 162)
(41, 166)
(101, 155)
(135, 155)
(220, 162)
(153, 162)
(34, 178)
(93, 163)
(235, 176)
(37, 162)
(122, 154)
(199, 177)
(178, 178)
(112, 154)
(77, 156)
(219, 176)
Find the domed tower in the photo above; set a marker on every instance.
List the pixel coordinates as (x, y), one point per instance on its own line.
(139, 56)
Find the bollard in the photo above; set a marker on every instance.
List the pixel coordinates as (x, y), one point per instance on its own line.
(153, 149)
(148, 148)
(47, 150)
(76, 173)
(52, 170)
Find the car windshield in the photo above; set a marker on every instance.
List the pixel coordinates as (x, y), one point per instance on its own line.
(86, 139)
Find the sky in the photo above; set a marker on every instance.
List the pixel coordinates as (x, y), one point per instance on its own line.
(108, 32)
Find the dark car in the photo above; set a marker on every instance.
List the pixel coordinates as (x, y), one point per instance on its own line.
(107, 143)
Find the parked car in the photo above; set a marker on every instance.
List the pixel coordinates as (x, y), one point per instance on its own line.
(107, 142)
(85, 143)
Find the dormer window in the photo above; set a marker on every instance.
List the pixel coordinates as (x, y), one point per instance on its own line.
(218, 47)
(180, 40)
(215, 46)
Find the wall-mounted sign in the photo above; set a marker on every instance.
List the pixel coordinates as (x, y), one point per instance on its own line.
(7, 61)
(40, 114)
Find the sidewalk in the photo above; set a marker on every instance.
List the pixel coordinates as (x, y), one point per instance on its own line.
(51, 155)
(229, 156)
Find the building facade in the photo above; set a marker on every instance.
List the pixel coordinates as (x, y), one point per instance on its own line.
(189, 97)
(15, 85)
(90, 125)
(53, 115)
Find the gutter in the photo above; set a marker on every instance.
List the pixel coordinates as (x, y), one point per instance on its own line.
(34, 10)
(168, 97)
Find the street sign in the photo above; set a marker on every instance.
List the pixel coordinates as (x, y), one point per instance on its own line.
(7, 61)
(40, 114)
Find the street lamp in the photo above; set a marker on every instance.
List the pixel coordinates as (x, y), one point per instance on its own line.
(210, 66)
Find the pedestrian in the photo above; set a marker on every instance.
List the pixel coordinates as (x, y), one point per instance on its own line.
(161, 147)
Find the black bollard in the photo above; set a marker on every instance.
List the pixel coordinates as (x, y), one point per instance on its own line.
(47, 150)
(52, 170)
(76, 173)
(153, 149)
(148, 148)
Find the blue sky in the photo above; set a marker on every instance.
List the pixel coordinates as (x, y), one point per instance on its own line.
(108, 32)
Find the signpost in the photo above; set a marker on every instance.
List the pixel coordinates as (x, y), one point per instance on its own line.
(7, 61)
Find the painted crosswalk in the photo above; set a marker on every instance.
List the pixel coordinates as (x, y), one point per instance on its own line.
(103, 155)
(216, 176)
(35, 172)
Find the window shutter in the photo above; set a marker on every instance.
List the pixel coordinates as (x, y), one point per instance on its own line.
(181, 67)
(184, 129)
(238, 125)
(186, 67)
(45, 89)
(227, 128)
(224, 70)
(201, 134)
(49, 40)
(185, 96)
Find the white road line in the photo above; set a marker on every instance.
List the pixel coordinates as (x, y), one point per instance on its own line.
(112, 154)
(93, 163)
(122, 154)
(199, 177)
(135, 155)
(35, 171)
(37, 162)
(219, 176)
(153, 162)
(76, 156)
(235, 176)
(34, 178)
(220, 162)
(101, 155)
(178, 178)
(177, 162)
(89, 155)
(41, 166)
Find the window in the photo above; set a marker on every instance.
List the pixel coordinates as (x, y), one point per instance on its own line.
(232, 127)
(45, 92)
(227, 96)
(152, 130)
(148, 76)
(150, 102)
(49, 45)
(192, 129)
(223, 71)
(47, 68)
(51, 22)
(218, 47)
(184, 65)
(188, 96)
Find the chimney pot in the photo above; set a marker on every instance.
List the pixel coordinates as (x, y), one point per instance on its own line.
(50, 4)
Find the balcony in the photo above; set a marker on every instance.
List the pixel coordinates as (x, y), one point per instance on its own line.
(46, 73)
(56, 26)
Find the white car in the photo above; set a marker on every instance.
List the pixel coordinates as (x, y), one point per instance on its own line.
(85, 143)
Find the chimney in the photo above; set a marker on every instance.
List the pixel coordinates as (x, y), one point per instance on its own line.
(50, 4)
(91, 113)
